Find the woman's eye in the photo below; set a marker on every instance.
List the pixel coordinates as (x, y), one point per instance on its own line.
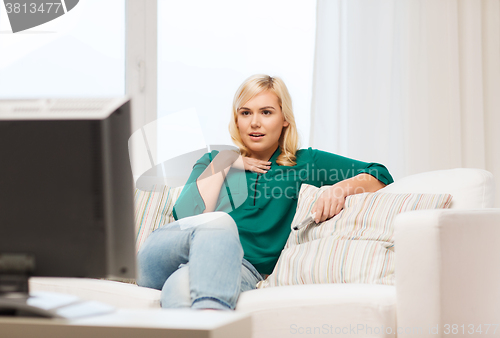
(267, 112)
(245, 113)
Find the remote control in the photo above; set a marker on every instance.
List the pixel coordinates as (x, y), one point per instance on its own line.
(308, 220)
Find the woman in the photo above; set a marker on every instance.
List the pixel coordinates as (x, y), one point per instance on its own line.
(232, 223)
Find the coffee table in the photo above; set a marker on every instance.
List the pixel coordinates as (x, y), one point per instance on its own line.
(165, 323)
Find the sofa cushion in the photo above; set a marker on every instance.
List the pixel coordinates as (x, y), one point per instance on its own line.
(347, 310)
(153, 209)
(355, 246)
(120, 295)
(470, 188)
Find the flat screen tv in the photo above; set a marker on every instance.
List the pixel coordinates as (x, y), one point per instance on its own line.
(66, 190)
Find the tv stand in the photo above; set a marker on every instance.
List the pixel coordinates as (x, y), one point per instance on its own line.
(51, 305)
(15, 269)
(17, 301)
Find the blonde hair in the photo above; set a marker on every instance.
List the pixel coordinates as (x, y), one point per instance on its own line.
(289, 139)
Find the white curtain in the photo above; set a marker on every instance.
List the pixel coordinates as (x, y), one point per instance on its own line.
(412, 84)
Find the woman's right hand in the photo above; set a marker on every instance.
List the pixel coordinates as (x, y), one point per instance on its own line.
(252, 164)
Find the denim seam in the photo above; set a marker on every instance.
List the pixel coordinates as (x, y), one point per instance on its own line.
(256, 275)
(211, 298)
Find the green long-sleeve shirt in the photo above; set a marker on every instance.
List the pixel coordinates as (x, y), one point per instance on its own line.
(263, 205)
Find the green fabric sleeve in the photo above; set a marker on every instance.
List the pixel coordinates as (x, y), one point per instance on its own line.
(190, 202)
(331, 168)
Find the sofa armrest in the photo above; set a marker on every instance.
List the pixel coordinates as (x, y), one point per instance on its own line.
(447, 271)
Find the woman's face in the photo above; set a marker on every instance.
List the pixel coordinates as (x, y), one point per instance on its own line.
(260, 122)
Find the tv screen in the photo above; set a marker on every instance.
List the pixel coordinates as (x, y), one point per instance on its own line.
(66, 189)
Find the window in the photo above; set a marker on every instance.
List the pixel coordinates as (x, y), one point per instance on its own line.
(79, 54)
(207, 48)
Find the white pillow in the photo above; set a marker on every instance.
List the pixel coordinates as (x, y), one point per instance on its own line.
(355, 246)
(470, 188)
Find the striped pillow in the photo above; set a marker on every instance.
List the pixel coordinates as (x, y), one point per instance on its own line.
(153, 209)
(355, 246)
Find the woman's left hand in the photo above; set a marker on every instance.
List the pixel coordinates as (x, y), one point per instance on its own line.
(329, 203)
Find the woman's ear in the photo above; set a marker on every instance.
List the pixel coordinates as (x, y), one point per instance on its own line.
(285, 124)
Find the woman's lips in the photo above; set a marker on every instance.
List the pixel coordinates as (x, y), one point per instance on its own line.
(257, 138)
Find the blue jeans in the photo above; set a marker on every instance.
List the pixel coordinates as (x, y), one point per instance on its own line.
(197, 262)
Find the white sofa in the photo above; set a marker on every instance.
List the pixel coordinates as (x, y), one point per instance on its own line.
(447, 276)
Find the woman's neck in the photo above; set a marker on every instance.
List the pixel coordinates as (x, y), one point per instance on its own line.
(265, 155)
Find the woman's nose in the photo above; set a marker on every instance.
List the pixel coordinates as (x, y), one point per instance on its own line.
(255, 121)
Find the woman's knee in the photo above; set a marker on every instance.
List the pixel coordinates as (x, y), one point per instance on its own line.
(221, 221)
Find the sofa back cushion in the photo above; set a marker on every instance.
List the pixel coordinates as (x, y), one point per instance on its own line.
(153, 209)
(470, 188)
